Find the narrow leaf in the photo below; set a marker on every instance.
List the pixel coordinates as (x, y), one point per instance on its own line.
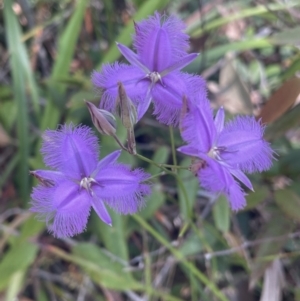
(65, 52)
(288, 36)
(221, 214)
(18, 258)
(19, 87)
(187, 189)
(289, 202)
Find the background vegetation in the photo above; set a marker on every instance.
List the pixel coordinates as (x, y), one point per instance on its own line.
(185, 245)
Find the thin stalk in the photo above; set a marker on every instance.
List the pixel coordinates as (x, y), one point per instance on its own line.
(175, 166)
(147, 270)
(180, 257)
(157, 175)
(154, 163)
(179, 181)
(173, 147)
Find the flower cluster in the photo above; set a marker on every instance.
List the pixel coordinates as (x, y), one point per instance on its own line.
(221, 153)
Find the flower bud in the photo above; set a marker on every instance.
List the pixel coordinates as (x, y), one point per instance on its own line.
(131, 145)
(127, 110)
(104, 121)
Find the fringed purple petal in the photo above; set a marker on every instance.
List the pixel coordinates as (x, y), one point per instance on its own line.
(64, 207)
(42, 202)
(48, 177)
(167, 98)
(244, 145)
(216, 178)
(107, 80)
(109, 159)
(144, 104)
(180, 64)
(121, 188)
(71, 150)
(236, 197)
(189, 150)
(219, 120)
(160, 41)
(101, 211)
(241, 177)
(198, 128)
(132, 58)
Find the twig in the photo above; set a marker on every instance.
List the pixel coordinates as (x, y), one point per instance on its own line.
(159, 279)
(248, 244)
(83, 288)
(9, 212)
(133, 296)
(208, 207)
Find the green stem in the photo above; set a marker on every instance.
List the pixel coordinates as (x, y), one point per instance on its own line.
(173, 147)
(157, 175)
(180, 257)
(154, 163)
(178, 179)
(175, 166)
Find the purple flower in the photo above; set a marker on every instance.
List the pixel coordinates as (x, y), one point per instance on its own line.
(79, 181)
(224, 153)
(154, 73)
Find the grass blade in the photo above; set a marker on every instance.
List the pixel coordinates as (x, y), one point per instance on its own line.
(13, 35)
(65, 52)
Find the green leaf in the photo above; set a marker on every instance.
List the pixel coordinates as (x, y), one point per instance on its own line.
(19, 58)
(5, 173)
(190, 184)
(114, 237)
(195, 243)
(198, 29)
(289, 202)
(288, 36)
(15, 285)
(67, 42)
(217, 52)
(31, 227)
(289, 165)
(8, 114)
(161, 156)
(103, 269)
(221, 214)
(19, 68)
(292, 69)
(154, 202)
(18, 258)
(259, 195)
(66, 48)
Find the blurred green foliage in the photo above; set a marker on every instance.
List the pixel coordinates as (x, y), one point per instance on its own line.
(185, 245)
